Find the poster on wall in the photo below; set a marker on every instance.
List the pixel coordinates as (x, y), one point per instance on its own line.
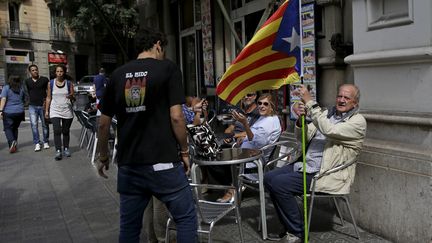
(206, 27)
(309, 58)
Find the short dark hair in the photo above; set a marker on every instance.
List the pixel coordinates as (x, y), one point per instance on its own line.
(32, 65)
(145, 38)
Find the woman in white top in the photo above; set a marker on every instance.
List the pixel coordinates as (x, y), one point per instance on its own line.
(266, 130)
(59, 99)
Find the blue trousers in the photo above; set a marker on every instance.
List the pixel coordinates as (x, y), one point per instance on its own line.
(284, 184)
(137, 184)
(11, 122)
(36, 113)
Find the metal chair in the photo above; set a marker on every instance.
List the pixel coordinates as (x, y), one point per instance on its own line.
(283, 152)
(313, 195)
(209, 212)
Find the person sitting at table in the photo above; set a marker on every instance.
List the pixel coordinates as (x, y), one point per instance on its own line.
(193, 108)
(248, 107)
(266, 130)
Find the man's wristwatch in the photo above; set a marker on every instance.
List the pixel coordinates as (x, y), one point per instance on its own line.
(315, 106)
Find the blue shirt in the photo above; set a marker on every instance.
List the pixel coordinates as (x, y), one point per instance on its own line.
(188, 113)
(99, 82)
(14, 101)
(315, 150)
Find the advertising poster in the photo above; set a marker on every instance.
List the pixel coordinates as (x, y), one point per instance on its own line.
(206, 27)
(309, 58)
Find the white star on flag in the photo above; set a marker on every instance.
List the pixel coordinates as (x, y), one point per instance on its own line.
(293, 40)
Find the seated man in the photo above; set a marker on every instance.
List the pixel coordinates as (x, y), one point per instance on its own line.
(250, 109)
(334, 136)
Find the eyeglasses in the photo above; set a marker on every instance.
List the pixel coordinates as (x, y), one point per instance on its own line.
(249, 95)
(263, 103)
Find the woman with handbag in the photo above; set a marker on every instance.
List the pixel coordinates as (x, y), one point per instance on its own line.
(12, 110)
(60, 96)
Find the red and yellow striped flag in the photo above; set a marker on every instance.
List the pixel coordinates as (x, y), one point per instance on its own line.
(268, 61)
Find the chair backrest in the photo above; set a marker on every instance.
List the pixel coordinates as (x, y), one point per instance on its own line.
(283, 152)
(211, 211)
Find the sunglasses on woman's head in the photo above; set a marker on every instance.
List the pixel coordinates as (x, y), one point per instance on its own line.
(263, 103)
(249, 95)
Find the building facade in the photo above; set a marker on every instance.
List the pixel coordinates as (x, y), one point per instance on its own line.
(382, 46)
(32, 32)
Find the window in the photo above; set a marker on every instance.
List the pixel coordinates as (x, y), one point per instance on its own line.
(388, 13)
(14, 24)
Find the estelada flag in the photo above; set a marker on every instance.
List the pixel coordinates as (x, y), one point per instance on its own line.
(271, 58)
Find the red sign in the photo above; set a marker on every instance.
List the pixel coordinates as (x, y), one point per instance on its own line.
(57, 58)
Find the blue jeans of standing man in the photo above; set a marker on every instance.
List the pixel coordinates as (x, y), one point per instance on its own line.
(36, 113)
(138, 183)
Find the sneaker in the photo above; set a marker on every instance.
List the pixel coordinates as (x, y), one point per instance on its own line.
(46, 145)
(37, 147)
(13, 147)
(290, 238)
(66, 152)
(58, 155)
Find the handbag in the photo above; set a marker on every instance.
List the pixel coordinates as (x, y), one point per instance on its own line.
(204, 140)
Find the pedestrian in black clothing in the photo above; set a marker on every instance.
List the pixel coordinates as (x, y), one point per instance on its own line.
(146, 97)
(36, 87)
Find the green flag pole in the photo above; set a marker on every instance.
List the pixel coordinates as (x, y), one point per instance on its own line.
(304, 179)
(303, 130)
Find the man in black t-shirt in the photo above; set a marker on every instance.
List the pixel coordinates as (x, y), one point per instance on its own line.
(146, 96)
(36, 87)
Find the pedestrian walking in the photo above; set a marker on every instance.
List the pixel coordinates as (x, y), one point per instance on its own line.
(146, 95)
(36, 87)
(99, 82)
(60, 95)
(12, 110)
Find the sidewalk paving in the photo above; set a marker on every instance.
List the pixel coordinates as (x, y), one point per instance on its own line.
(43, 200)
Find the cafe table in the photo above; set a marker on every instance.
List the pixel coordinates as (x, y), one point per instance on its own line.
(236, 156)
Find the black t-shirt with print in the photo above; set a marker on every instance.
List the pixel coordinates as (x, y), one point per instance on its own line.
(140, 94)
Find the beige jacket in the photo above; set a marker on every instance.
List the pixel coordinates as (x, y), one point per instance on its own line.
(344, 142)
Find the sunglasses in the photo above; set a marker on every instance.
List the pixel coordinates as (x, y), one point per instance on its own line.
(249, 95)
(263, 103)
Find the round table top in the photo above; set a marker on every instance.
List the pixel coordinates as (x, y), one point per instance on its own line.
(230, 156)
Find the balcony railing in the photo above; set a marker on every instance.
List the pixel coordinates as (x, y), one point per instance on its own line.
(58, 33)
(15, 29)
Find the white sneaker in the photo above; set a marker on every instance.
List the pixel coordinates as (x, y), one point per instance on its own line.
(46, 146)
(37, 147)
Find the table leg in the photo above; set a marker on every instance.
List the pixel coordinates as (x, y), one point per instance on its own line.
(262, 199)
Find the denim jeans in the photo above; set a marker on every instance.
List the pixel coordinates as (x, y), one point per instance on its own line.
(11, 122)
(138, 183)
(284, 184)
(36, 113)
